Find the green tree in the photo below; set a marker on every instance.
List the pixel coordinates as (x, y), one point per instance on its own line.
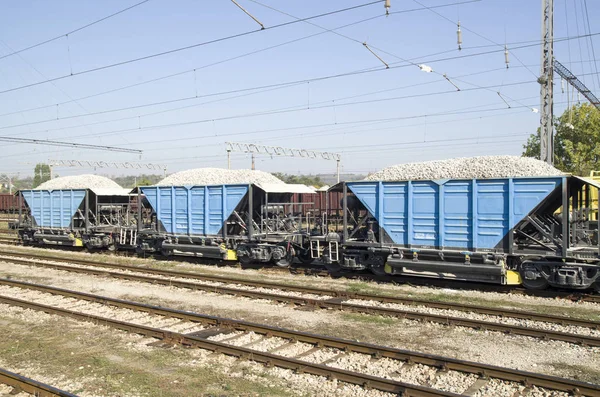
(41, 174)
(309, 180)
(144, 182)
(576, 143)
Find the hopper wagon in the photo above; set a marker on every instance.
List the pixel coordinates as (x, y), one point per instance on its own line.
(535, 231)
(94, 218)
(246, 222)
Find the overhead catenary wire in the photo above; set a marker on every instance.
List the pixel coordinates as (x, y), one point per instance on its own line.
(466, 110)
(345, 130)
(396, 119)
(14, 52)
(223, 61)
(532, 42)
(321, 78)
(296, 108)
(595, 63)
(43, 76)
(69, 144)
(188, 47)
(475, 33)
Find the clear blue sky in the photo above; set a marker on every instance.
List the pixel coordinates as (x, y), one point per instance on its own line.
(400, 118)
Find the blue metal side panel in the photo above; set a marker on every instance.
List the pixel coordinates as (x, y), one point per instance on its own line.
(53, 208)
(425, 216)
(491, 210)
(395, 209)
(180, 209)
(194, 210)
(367, 193)
(165, 205)
(215, 209)
(197, 210)
(460, 214)
(457, 215)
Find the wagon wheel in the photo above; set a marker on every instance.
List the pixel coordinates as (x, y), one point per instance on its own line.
(287, 259)
(537, 284)
(333, 268)
(245, 260)
(305, 258)
(378, 270)
(243, 255)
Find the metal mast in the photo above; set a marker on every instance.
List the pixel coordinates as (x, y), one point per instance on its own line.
(546, 81)
(575, 82)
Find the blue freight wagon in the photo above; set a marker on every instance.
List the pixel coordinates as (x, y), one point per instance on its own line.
(532, 230)
(94, 218)
(245, 222)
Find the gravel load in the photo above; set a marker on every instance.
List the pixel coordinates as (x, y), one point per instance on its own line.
(466, 168)
(85, 181)
(217, 176)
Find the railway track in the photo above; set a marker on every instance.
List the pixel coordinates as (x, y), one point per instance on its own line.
(9, 240)
(354, 362)
(510, 321)
(415, 281)
(22, 384)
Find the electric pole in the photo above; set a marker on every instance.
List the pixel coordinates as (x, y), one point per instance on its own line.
(546, 81)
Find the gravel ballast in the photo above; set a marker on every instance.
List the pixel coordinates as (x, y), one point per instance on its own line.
(85, 181)
(218, 176)
(466, 168)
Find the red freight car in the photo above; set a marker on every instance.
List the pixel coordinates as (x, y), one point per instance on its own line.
(322, 202)
(9, 203)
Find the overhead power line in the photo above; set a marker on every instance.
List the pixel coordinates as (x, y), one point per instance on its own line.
(361, 71)
(297, 108)
(475, 33)
(73, 31)
(188, 47)
(468, 110)
(68, 144)
(108, 164)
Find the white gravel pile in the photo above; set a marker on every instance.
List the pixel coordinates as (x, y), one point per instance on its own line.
(85, 181)
(218, 176)
(466, 168)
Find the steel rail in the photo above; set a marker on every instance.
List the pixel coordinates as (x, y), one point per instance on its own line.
(377, 351)
(416, 281)
(520, 314)
(31, 386)
(338, 303)
(269, 359)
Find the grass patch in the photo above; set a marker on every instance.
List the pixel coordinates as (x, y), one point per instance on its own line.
(579, 372)
(369, 319)
(363, 288)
